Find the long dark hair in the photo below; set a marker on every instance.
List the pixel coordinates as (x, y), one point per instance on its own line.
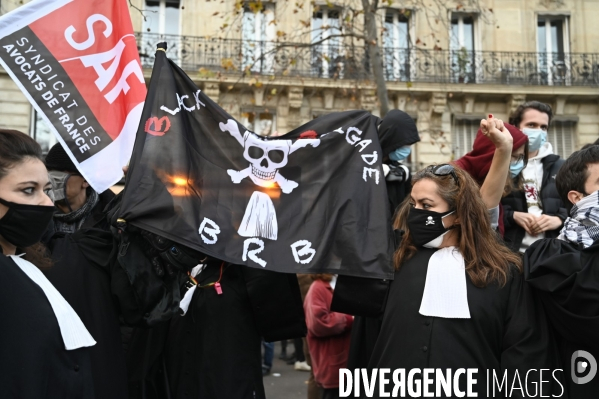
(486, 258)
(17, 147)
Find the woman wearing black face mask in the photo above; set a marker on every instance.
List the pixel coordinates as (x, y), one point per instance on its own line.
(458, 300)
(43, 343)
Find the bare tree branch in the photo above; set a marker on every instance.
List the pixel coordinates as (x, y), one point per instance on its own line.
(141, 11)
(352, 32)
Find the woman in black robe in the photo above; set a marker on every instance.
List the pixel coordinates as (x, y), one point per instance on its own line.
(458, 299)
(43, 343)
(368, 328)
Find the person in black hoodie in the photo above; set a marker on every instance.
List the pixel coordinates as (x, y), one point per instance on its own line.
(564, 273)
(536, 210)
(397, 133)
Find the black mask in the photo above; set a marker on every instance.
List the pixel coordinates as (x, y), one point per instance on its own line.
(23, 225)
(426, 227)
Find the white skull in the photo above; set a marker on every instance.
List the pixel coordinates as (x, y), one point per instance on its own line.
(266, 156)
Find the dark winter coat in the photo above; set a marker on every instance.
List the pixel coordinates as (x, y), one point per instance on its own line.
(552, 204)
(81, 274)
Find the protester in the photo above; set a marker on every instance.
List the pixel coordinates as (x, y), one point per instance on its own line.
(44, 346)
(535, 211)
(213, 350)
(487, 163)
(397, 133)
(458, 299)
(328, 335)
(81, 268)
(563, 272)
(79, 204)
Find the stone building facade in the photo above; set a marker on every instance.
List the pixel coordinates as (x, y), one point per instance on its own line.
(446, 63)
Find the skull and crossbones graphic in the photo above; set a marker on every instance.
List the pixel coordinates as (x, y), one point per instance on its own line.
(429, 220)
(266, 157)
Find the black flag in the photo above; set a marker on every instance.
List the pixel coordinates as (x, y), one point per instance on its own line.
(310, 201)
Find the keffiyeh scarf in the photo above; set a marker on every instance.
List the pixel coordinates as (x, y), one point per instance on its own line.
(582, 227)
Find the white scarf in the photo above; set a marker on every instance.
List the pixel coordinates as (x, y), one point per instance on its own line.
(445, 291)
(582, 227)
(74, 334)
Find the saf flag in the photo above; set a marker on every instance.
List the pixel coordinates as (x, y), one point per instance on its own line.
(77, 63)
(311, 201)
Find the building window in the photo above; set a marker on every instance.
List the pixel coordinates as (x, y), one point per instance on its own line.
(561, 136)
(396, 46)
(162, 22)
(462, 48)
(327, 61)
(258, 34)
(260, 122)
(162, 17)
(41, 132)
(463, 135)
(553, 47)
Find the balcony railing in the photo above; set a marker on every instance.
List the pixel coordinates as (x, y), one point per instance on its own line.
(328, 61)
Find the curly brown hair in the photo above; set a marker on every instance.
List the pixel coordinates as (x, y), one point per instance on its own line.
(486, 258)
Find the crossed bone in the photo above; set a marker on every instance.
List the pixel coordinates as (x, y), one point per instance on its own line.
(286, 185)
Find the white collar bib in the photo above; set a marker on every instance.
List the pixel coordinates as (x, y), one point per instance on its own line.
(74, 334)
(445, 291)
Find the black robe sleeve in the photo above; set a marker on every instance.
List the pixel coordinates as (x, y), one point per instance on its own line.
(365, 331)
(528, 342)
(566, 279)
(81, 275)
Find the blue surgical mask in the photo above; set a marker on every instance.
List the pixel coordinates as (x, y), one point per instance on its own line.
(401, 153)
(536, 138)
(516, 168)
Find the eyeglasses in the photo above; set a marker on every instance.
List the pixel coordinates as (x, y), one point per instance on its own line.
(445, 170)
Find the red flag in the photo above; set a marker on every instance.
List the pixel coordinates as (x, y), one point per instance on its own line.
(78, 64)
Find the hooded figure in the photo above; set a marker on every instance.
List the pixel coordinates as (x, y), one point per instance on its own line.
(478, 161)
(397, 132)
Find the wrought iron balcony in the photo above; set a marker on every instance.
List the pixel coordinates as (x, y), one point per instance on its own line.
(335, 61)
